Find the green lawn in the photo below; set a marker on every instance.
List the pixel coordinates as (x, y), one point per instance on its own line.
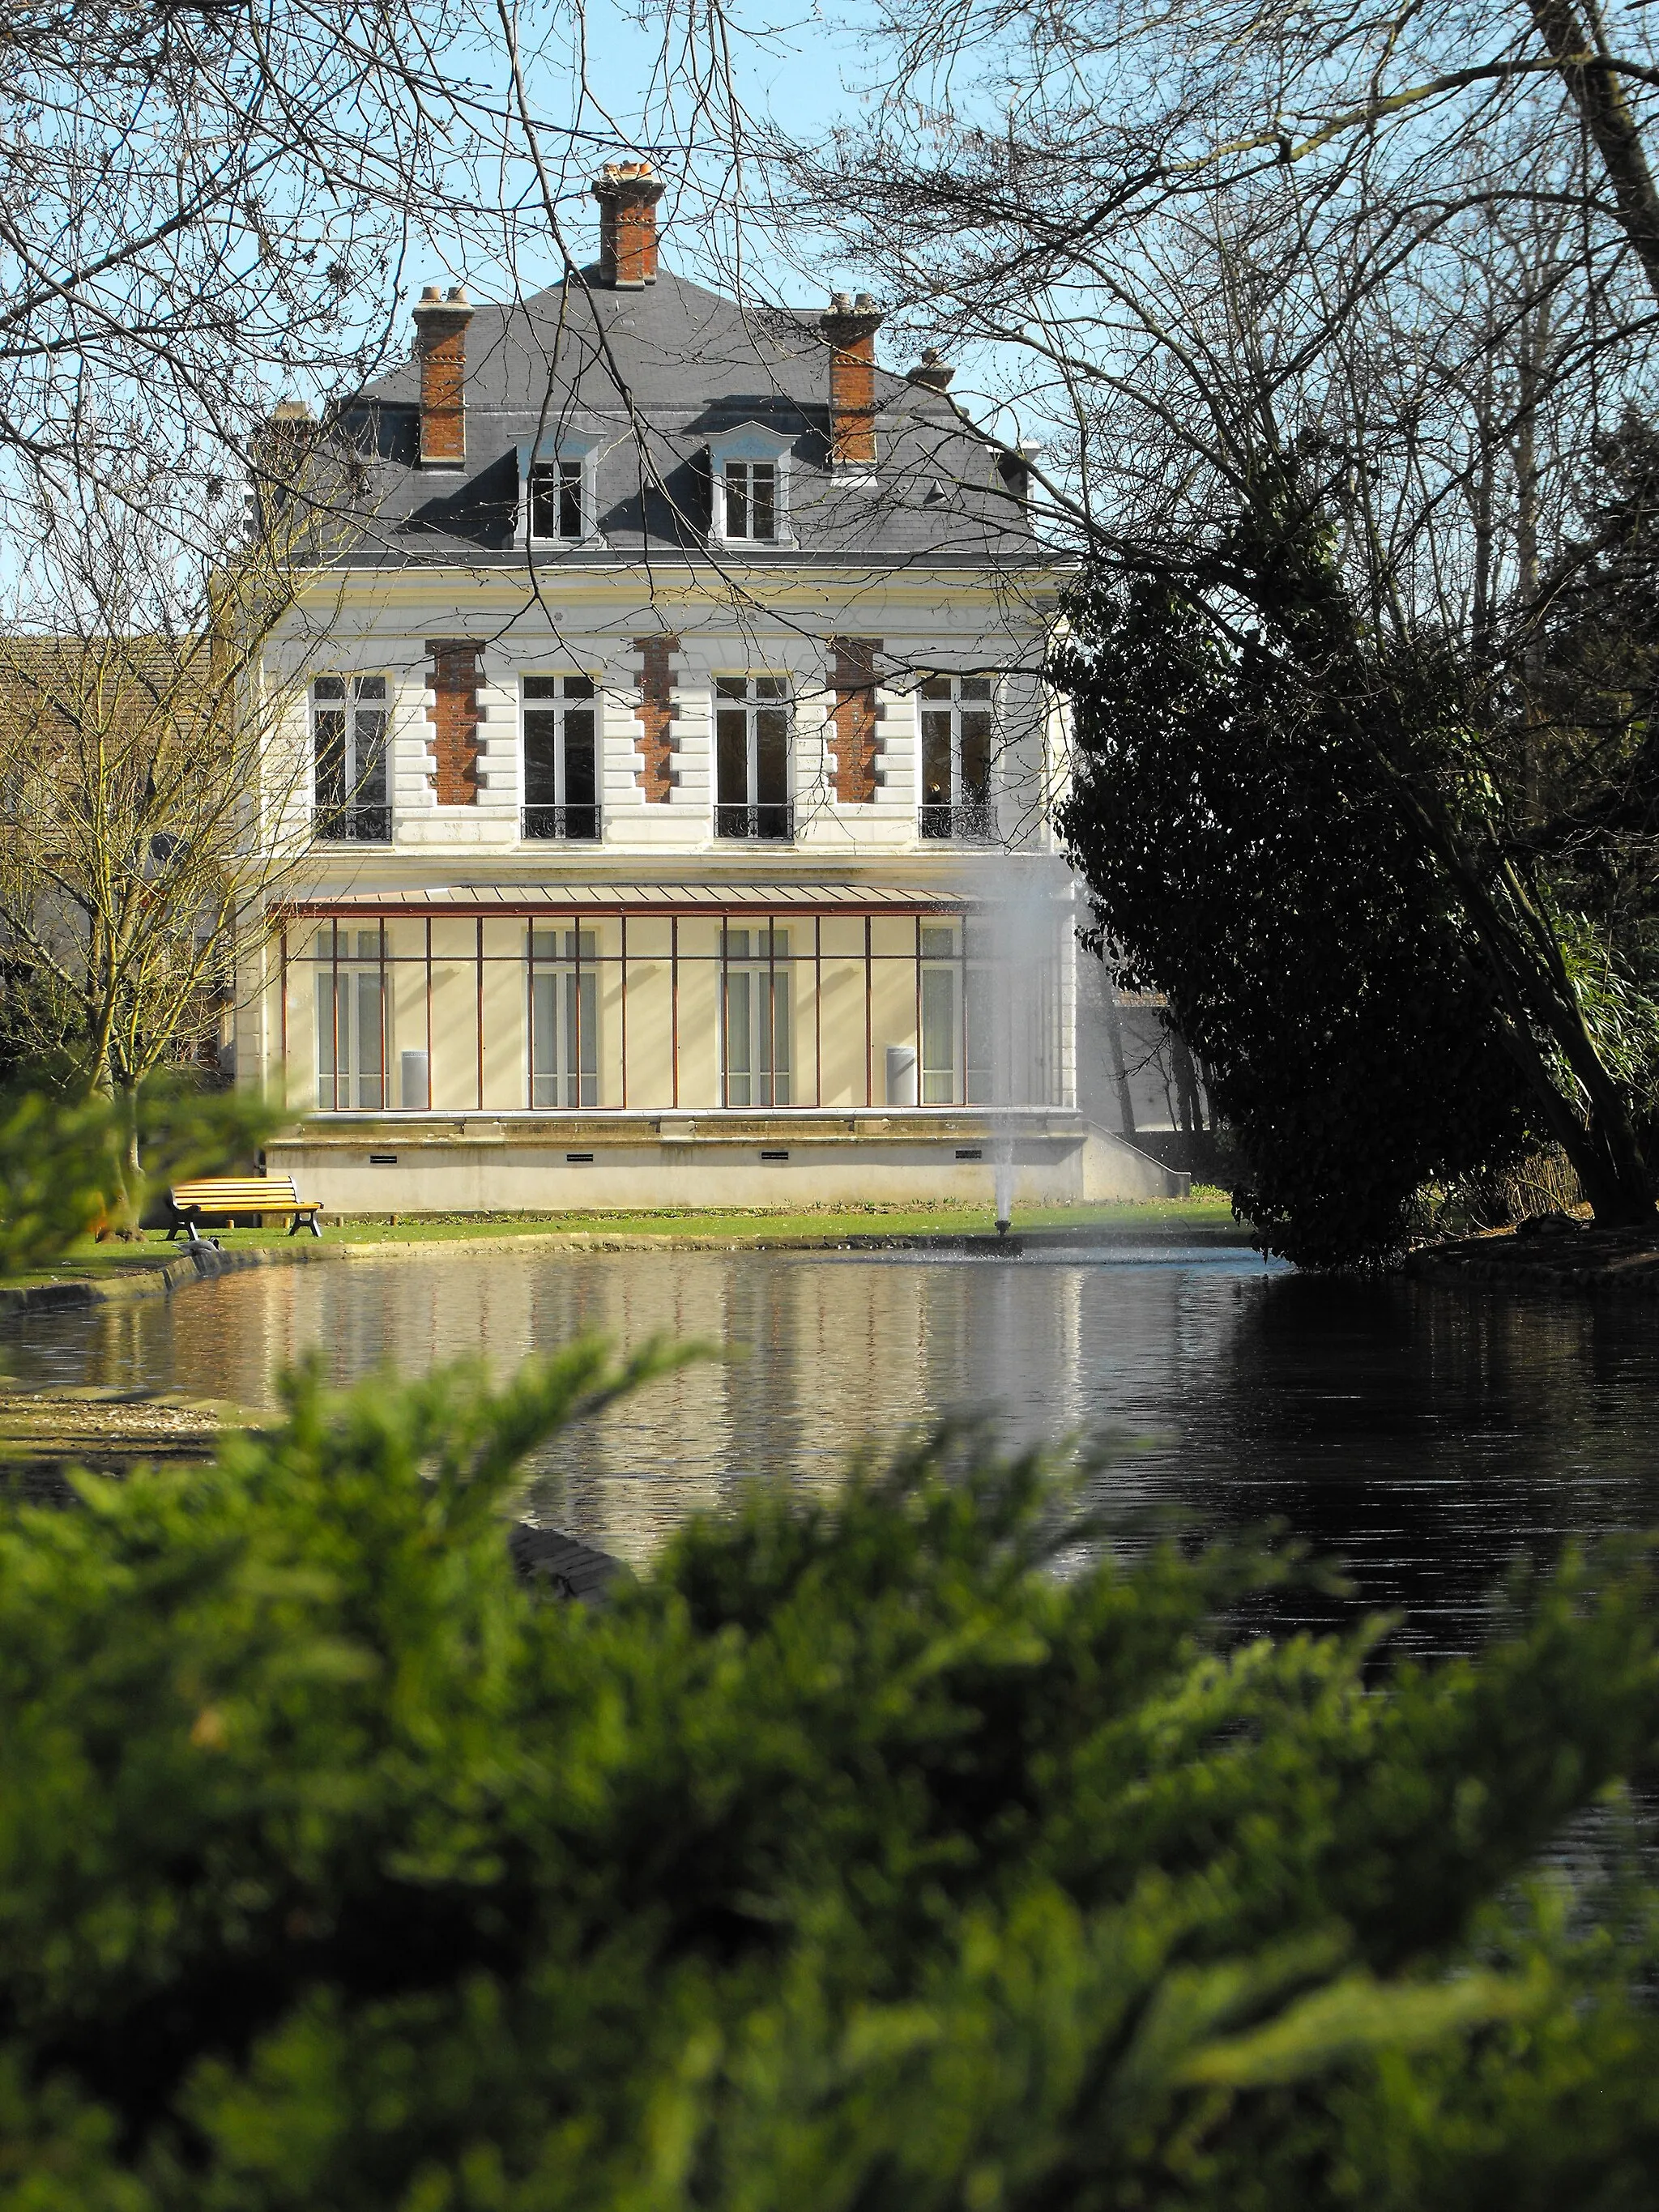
(1204, 1209)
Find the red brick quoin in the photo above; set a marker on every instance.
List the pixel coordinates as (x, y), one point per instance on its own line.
(852, 739)
(454, 719)
(656, 745)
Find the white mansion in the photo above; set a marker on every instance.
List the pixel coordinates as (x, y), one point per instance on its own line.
(677, 778)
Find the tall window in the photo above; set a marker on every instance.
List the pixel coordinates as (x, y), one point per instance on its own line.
(351, 1012)
(956, 759)
(755, 1018)
(751, 744)
(957, 1014)
(349, 742)
(557, 497)
(752, 499)
(561, 757)
(564, 1018)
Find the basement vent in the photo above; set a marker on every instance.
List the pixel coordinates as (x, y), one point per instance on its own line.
(587, 1156)
(383, 1159)
(969, 1152)
(774, 1156)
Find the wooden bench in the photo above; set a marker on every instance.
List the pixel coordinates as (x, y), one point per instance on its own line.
(220, 1198)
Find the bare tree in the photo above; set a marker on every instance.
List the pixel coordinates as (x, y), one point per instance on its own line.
(147, 762)
(1404, 260)
(206, 206)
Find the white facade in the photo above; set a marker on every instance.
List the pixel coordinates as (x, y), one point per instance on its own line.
(482, 993)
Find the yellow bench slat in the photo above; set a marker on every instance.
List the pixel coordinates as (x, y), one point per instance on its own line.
(274, 1193)
(232, 1182)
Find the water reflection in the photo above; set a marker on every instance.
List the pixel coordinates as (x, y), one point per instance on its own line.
(1423, 1435)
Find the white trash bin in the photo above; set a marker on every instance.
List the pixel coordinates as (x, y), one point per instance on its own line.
(901, 1075)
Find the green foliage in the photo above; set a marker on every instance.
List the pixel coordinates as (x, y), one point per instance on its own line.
(63, 1160)
(1245, 854)
(859, 1859)
(1621, 1016)
(1592, 738)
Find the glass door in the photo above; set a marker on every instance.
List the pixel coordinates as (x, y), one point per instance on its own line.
(564, 1018)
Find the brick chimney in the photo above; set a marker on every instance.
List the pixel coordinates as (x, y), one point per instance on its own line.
(440, 324)
(932, 371)
(851, 327)
(628, 193)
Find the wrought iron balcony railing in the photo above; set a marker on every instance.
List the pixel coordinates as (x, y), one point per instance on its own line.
(970, 821)
(773, 819)
(575, 823)
(351, 825)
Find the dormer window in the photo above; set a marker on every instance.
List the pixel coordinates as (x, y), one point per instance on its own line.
(556, 501)
(559, 489)
(752, 499)
(748, 486)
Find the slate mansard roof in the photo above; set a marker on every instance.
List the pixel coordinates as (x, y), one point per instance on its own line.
(648, 377)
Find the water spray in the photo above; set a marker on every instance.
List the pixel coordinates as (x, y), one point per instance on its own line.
(1004, 1178)
(1012, 904)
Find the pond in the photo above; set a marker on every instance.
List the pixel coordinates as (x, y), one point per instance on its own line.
(1423, 1435)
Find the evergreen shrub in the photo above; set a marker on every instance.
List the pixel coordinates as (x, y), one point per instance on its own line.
(876, 1853)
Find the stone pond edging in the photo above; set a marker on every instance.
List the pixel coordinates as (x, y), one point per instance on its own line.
(145, 1278)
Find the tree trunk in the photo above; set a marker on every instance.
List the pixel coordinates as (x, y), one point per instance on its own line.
(1528, 563)
(127, 1199)
(1187, 1090)
(1484, 533)
(1126, 1107)
(1599, 97)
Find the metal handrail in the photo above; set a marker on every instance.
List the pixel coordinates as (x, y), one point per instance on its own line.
(774, 819)
(351, 825)
(970, 821)
(582, 823)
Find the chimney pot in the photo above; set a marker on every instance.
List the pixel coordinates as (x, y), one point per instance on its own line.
(1015, 469)
(628, 193)
(863, 303)
(840, 303)
(933, 372)
(430, 292)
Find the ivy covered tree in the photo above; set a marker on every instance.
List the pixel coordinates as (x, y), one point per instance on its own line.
(1591, 734)
(1245, 855)
(1304, 830)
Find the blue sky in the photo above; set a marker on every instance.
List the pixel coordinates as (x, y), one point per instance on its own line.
(796, 67)
(802, 75)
